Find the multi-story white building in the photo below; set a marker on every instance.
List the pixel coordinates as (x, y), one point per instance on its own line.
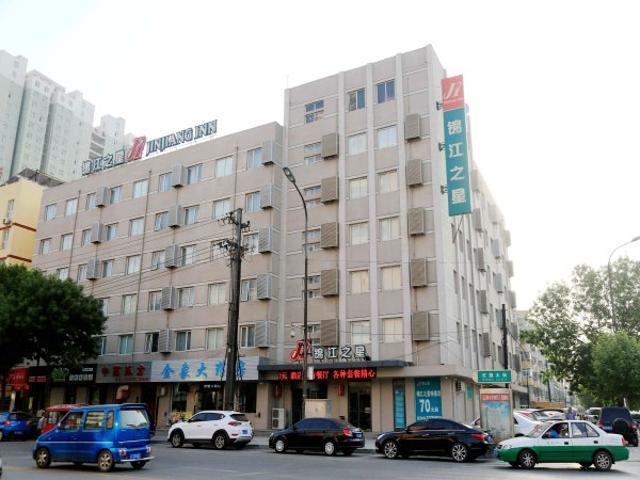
(13, 71)
(109, 136)
(404, 303)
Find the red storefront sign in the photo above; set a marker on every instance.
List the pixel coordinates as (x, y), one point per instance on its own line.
(452, 93)
(124, 372)
(17, 376)
(326, 374)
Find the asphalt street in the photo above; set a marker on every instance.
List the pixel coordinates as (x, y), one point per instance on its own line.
(261, 463)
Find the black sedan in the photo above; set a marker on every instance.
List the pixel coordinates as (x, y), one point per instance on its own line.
(328, 435)
(435, 437)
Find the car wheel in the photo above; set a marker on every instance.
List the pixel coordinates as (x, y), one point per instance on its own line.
(219, 440)
(177, 439)
(329, 448)
(105, 461)
(514, 464)
(527, 459)
(43, 458)
(390, 449)
(459, 452)
(280, 446)
(634, 442)
(602, 461)
(138, 465)
(348, 452)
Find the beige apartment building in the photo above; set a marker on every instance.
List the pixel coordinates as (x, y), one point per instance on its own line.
(404, 301)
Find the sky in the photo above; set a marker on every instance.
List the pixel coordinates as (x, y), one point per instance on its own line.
(553, 90)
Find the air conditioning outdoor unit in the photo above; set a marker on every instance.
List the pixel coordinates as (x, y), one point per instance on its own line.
(278, 419)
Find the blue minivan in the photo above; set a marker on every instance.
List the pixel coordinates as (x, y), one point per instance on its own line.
(102, 434)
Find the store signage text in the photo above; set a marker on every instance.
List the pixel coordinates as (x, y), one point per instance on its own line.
(86, 374)
(333, 352)
(494, 376)
(202, 370)
(124, 372)
(331, 374)
(428, 398)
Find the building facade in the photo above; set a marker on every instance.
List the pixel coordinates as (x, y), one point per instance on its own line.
(109, 136)
(405, 302)
(12, 76)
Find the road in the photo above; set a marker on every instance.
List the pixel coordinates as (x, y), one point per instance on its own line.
(260, 463)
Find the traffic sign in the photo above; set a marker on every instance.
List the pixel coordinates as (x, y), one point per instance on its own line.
(493, 376)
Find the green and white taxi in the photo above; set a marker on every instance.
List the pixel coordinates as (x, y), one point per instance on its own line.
(564, 441)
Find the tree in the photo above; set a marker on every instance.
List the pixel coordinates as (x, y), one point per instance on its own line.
(567, 320)
(616, 365)
(44, 319)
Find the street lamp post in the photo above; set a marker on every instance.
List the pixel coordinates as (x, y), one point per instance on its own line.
(613, 311)
(289, 174)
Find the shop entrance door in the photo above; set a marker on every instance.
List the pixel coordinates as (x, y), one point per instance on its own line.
(360, 405)
(148, 397)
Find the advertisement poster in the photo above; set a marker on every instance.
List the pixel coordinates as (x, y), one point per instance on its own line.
(495, 412)
(428, 398)
(399, 420)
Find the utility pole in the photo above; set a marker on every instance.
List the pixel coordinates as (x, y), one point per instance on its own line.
(235, 251)
(505, 350)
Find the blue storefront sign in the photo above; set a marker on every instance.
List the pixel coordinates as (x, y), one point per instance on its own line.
(428, 398)
(457, 162)
(399, 420)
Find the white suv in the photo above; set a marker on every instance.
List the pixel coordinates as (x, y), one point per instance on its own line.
(212, 426)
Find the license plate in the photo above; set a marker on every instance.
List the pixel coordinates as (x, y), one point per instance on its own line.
(245, 432)
(135, 456)
(358, 435)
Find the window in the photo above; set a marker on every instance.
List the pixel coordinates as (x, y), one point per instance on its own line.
(191, 215)
(313, 286)
(82, 272)
(164, 182)
(247, 336)
(254, 158)
(126, 344)
(388, 181)
(5, 239)
(386, 91)
(10, 205)
(151, 342)
(136, 226)
(66, 241)
(215, 338)
(389, 228)
(313, 241)
(133, 264)
(90, 201)
(85, 238)
(221, 208)
(252, 202)
(217, 293)
(250, 243)
(102, 345)
(358, 188)
(392, 330)
(312, 153)
(188, 254)
(115, 195)
(107, 268)
(313, 111)
(129, 304)
(194, 174)
(312, 196)
(217, 251)
(50, 212)
(183, 340)
(45, 246)
(582, 430)
(356, 100)
(357, 144)
(391, 279)
(358, 233)
(387, 137)
(360, 332)
(155, 301)
(186, 297)
(105, 306)
(111, 231)
(140, 188)
(70, 207)
(247, 398)
(157, 259)
(72, 421)
(359, 281)
(224, 167)
(62, 273)
(248, 290)
(161, 221)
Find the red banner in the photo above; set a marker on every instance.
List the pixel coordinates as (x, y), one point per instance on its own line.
(452, 93)
(18, 376)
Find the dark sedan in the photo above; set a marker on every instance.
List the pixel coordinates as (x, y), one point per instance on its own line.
(328, 435)
(435, 437)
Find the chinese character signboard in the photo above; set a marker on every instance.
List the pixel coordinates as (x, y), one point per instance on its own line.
(494, 376)
(332, 352)
(495, 412)
(455, 146)
(349, 374)
(428, 398)
(124, 372)
(202, 370)
(84, 374)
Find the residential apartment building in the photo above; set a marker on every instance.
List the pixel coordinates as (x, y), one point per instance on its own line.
(12, 77)
(109, 136)
(404, 301)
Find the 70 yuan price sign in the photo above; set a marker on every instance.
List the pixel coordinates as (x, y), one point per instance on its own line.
(428, 398)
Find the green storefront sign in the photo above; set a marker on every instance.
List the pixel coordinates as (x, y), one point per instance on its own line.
(493, 376)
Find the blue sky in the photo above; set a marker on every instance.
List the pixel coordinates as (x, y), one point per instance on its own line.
(552, 89)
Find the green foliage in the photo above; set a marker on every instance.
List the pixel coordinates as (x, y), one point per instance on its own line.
(43, 318)
(616, 365)
(567, 321)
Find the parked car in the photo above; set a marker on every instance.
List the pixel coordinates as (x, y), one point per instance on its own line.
(17, 425)
(52, 416)
(435, 437)
(593, 414)
(329, 435)
(221, 428)
(522, 424)
(102, 434)
(567, 441)
(618, 420)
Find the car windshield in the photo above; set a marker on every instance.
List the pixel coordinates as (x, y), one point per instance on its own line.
(133, 419)
(539, 429)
